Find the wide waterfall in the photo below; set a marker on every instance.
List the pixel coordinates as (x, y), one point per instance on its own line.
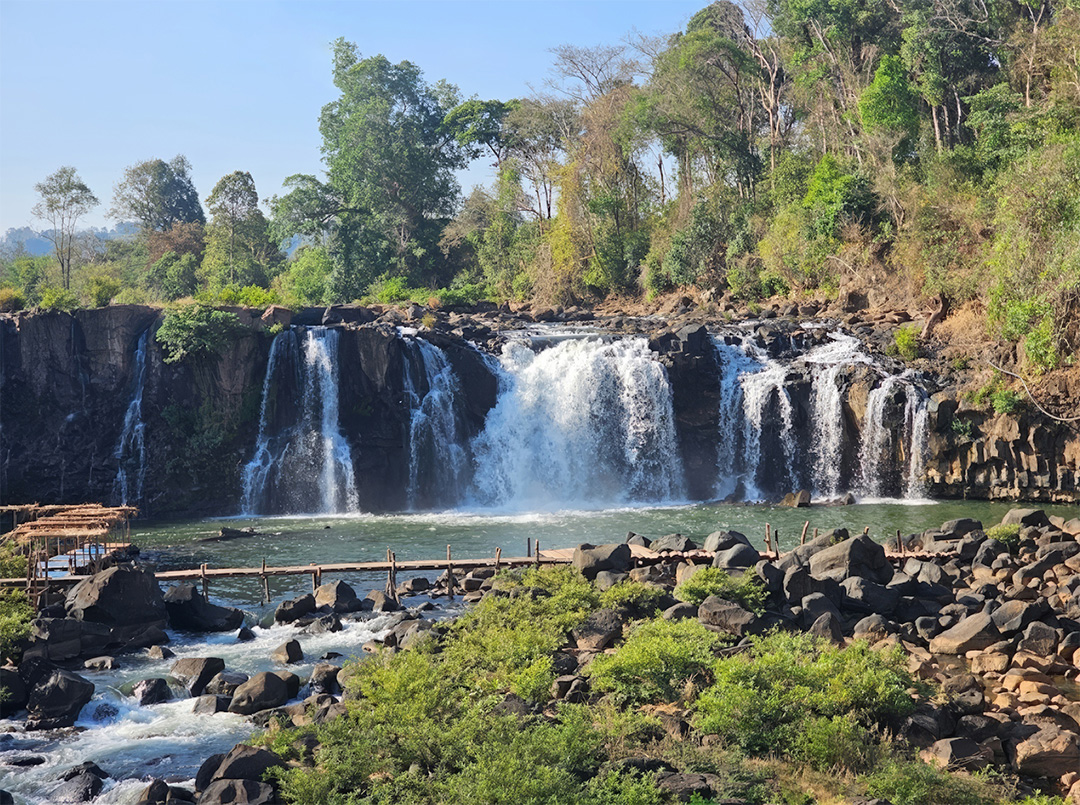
(302, 461)
(583, 423)
(438, 455)
(130, 452)
(768, 444)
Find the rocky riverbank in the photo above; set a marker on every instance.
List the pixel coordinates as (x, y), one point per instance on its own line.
(987, 622)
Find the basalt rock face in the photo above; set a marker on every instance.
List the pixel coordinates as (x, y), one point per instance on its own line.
(980, 454)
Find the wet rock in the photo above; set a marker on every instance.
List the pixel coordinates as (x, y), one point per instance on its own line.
(323, 625)
(57, 701)
(12, 683)
(245, 635)
(83, 787)
(599, 631)
(973, 633)
(188, 610)
(261, 692)
(591, 560)
(195, 673)
(796, 500)
(208, 704)
(86, 767)
(151, 691)
(338, 597)
(294, 609)
(287, 653)
(101, 664)
(380, 602)
(226, 683)
(121, 596)
(159, 653)
(206, 771)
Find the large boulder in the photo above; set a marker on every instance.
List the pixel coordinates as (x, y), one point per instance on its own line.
(725, 616)
(723, 540)
(592, 559)
(1035, 518)
(599, 631)
(338, 597)
(294, 609)
(237, 792)
(673, 542)
(246, 763)
(287, 653)
(190, 611)
(736, 556)
(195, 673)
(151, 691)
(80, 787)
(261, 692)
(57, 700)
(1050, 752)
(857, 556)
(60, 639)
(973, 633)
(120, 596)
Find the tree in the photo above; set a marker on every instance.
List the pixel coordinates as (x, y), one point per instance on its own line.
(390, 159)
(238, 247)
(158, 194)
(65, 198)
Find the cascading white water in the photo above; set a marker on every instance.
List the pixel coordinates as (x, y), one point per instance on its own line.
(735, 362)
(309, 454)
(759, 388)
(880, 466)
(581, 424)
(438, 458)
(130, 452)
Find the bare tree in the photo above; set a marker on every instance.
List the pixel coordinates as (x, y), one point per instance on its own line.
(64, 200)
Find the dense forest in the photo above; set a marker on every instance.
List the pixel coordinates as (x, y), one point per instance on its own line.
(916, 150)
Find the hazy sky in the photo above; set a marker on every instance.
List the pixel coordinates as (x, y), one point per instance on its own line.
(238, 85)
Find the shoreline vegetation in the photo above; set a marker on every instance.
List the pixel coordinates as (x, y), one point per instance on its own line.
(831, 674)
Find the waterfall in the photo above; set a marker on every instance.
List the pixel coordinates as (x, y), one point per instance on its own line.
(130, 451)
(887, 465)
(302, 462)
(438, 458)
(583, 423)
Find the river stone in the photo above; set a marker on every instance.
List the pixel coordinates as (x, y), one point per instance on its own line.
(599, 631)
(973, 633)
(295, 608)
(958, 753)
(292, 682)
(381, 602)
(237, 792)
(188, 610)
(159, 653)
(83, 787)
(1050, 752)
(101, 664)
(119, 596)
(287, 653)
(209, 703)
(1035, 518)
(590, 559)
(324, 678)
(205, 774)
(673, 542)
(57, 701)
(1014, 616)
(225, 683)
(862, 595)
(337, 596)
(261, 692)
(723, 540)
(638, 539)
(857, 556)
(956, 529)
(245, 762)
(195, 673)
(1039, 639)
(725, 616)
(827, 626)
(736, 556)
(160, 793)
(151, 691)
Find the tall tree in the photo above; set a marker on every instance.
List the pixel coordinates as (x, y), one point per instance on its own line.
(238, 248)
(65, 198)
(158, 194)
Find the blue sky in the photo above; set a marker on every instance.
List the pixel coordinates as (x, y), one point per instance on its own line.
(238, 85)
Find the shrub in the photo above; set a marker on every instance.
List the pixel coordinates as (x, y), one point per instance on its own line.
(656, 660)
(197, 331)
(963, 428)
(102, 290)
(907, 342)
(53, 298)
(1006, 401)
(765, 699)
(12, 562)
(15, 617)
(1004, 532)
(635, 597)
(11, 300)
(915, 783)
(746, 590)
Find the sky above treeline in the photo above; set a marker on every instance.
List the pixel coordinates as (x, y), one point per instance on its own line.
(239, 84)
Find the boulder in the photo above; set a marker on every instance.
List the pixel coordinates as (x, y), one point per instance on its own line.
(188, 610)
(324, 678)
(292, 682)
(599, 631)
(338, 597)
(956, 529)
(827, 626)
(680, 787)
(1039, 639)
(195, 673)
(246, 763)
(225, 683)
(862, 595)
(324, 625)
(105, 663)
(958, 753)
(973, 633)
(287, 653)
(857, 556)
(205, 774)
(722, 540)
(82, 787)
(736, 556)
(119, 596)
(57, 700)
(725, 616)
(679, 611)
(151, 691)
(1050, 752)
(209, 703)
(591, 560)
(380, 602)
(294, 609)
(1015, 616)
(60, 639)
(237, 792)
(1035, 518)
(673, 542)
(261, 692)
(796, 500)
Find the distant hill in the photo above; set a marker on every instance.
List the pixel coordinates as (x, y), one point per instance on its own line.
(33, 242)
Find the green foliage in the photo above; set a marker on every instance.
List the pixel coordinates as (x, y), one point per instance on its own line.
(1004, 532)
(11, 300)
(12, 561)
(906, 340)
(102, 290)
(174, 276)
(746, 590)
(658, 658)
(53, 298)
(788, 685)
(307, 278)
(889, 102)
(637, 598)
(1006, 401)
(963, 428)
(911, 782)
(197, 331)
(249, 296)
(15, 617)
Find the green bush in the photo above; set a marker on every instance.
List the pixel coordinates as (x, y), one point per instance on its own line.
(963, 428)
(907, 342)
(102, 290)
(746, 590)
(765, 699)
(656, 661)
(11, 300)
(1004, 532)
(197, 331)
(915, 783)
(15, 617)
(1006, 401)
(12, 562)
(637, 598)
(53, 298)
